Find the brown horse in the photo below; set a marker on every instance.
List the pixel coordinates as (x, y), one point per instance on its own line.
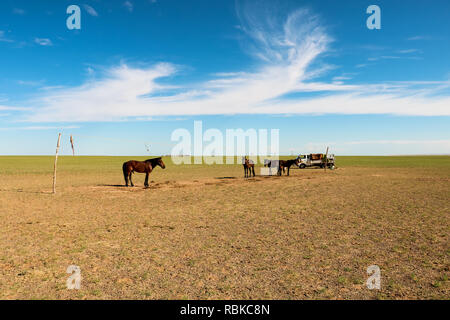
(249, 167)
(286, 164)
(272, 164)
(146, 167)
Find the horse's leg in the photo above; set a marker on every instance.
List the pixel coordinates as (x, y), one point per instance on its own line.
(125, 175)
(253, 171)
(146, 180)
(289, 168)
(131, 182)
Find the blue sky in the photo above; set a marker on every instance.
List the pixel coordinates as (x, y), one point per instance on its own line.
(138, 70)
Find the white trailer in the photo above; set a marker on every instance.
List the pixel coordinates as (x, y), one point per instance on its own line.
(316, 160)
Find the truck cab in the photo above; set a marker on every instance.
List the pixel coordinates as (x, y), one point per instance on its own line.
(303, 159)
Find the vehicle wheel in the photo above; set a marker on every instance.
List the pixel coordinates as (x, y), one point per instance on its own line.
(302, 166)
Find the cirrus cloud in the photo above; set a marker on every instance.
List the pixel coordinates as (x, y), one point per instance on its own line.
(288, 52)
(43, 41)
(90, 10)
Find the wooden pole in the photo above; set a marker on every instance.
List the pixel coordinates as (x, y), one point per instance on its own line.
(56, 160)
(326, 160)
(71, 143)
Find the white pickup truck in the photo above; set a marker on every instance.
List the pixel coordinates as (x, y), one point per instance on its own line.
(316, 160)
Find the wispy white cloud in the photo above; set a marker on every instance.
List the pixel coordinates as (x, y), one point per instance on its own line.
(386, 147)
(340, 78)
(3, 37)
(408, 51)
(51, 88)
(11, 108)
(18, 11)
(382, 58)
(39, 128)
(402, 142)
(229, 74)
(90, 10)
(43, 41)
(390, 57)
(288, 54)
(129, 6)
(419, 37)
(30, 83)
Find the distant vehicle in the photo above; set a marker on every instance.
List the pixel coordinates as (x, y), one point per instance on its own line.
(316, 160)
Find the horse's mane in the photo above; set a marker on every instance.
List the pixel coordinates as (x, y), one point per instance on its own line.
(289, 161)
(152, 159)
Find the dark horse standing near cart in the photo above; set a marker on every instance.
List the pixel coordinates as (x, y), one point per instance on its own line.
(146, 167)
(287, 164)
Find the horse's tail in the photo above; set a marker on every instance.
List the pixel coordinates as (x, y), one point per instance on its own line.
(125, 173)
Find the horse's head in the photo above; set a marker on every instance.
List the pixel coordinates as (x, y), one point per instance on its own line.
(160, 163)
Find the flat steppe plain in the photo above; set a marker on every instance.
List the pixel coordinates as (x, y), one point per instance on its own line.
(206, 232)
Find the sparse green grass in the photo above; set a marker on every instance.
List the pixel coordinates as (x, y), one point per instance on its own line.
(395, 161)
(91, 164)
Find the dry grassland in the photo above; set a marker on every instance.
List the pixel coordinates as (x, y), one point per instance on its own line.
(205, 232)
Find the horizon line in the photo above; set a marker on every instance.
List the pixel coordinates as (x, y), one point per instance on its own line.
(165, 155)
